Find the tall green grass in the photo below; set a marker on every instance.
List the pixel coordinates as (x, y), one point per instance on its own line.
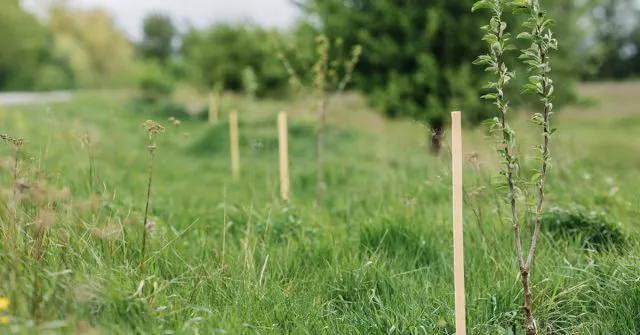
(375, 259)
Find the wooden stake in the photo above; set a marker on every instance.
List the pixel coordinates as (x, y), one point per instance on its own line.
(214, 101)
(233, 134)
(284, 156)
(458, 247)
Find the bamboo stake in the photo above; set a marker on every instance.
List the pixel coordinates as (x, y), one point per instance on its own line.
(458, 247)
(284, 156)
(233, 134)
(214, 101)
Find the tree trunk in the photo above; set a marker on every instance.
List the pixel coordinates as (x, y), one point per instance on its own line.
(529, 323)
(436, 139)
(320, 186)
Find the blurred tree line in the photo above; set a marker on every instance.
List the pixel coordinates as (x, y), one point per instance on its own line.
(416, 59)
(71, 49)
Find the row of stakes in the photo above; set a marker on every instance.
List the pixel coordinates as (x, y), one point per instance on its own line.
(235, 147)
(456, 169)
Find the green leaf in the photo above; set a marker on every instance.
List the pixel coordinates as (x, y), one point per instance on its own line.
(524, 36)
(535, 176)
(482, 4)
(509, 47)
(490, 96)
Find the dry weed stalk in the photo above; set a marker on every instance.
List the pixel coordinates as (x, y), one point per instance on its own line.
(153, 129)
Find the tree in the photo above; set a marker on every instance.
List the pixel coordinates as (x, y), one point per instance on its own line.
(616, 26)
(98, 53)
(221, 53)
(23, 47)
(159, 34)
(331, 72)
(417, 55)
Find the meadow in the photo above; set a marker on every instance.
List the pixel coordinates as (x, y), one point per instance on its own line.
(229, 257)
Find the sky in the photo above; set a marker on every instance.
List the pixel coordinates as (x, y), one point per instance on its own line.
(128, 14)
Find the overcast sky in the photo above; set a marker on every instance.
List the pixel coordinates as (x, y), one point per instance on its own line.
(129, 14)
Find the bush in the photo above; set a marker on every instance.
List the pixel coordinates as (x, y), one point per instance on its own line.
(154, 83)
(594, 229)
(51, 77)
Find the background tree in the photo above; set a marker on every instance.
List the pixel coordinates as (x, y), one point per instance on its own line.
(159, 35)
(615, 26)
(98, 53)
(416, 62)
(23, 46)
(221, 53)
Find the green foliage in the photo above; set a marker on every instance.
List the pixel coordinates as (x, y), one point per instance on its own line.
(221, 54)
(82, 39)
(615, 28)
(23, 42)
(250, 82)
(51, 77)
(65, 51)
(257, 137)
(154, 83)
(592, 228)
(416, 62)
(298, 268)
(163, 109)
(399, 243)
(159, 34)
(536, 56)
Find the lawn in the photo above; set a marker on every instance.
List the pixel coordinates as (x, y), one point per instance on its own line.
(227, 256)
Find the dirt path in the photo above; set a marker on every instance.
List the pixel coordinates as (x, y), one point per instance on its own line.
(25, 98)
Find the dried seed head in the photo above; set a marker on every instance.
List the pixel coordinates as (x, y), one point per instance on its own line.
(177, 122)
(172, 119)
(153, 128)
(17, 142)
(150, 226)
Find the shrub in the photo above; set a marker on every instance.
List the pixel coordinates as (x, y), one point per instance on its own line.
(51, 77)
(154, 83)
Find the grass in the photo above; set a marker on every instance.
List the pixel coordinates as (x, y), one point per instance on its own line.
(376, 259)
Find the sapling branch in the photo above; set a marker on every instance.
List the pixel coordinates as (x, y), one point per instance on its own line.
(499, 42)
(536, 57)
(325, 82)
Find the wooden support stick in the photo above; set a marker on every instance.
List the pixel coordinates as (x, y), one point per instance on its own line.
(458, 247)
(284, 156)
(235, 154)
(214, 101)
